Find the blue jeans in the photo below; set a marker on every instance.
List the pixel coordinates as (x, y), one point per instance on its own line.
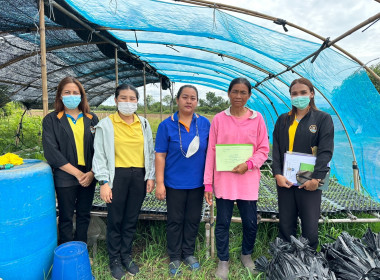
(248, 214)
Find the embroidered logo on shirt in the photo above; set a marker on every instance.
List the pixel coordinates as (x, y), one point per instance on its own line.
(92, 129)
(313, 128)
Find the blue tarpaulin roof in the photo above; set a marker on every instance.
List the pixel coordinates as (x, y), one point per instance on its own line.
(206, 46)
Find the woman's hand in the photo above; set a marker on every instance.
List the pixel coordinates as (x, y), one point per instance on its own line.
(240, 169)
(106, 193)
(86, 179)
(149, 185)
(282, 181)
(160, 191)
(310, 185)
(208, 197)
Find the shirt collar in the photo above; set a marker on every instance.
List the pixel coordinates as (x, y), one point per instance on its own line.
(117, 118)
(72, 118)
(174, 116)
(254, 113)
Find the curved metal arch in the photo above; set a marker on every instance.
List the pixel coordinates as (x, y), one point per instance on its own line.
(215, 5)
(238, 60)
(270, 101)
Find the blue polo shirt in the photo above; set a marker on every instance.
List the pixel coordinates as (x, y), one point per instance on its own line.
(181, 172)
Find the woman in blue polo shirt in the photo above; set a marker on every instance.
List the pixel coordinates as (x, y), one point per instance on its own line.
(181, 145)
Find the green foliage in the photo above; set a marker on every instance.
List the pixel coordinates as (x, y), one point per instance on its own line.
(4, 99)
(104, 108)
(28, 137)
(376, 69)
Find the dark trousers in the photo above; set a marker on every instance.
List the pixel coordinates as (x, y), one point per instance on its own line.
(248, 214)
(184, 209)
(128, 193)
(294, 202)
(76, 198)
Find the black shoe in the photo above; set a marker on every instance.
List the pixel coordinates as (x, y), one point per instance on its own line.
(130, 266)
(117, 270)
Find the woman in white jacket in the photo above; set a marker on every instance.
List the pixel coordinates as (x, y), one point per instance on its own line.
(123, 164)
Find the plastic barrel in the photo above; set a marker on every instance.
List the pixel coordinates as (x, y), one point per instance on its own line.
(28, 227)
(71, 262)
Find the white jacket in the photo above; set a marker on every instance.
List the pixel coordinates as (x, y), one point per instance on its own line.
(103, 163)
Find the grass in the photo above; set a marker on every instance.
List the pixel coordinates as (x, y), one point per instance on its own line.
(149, 250)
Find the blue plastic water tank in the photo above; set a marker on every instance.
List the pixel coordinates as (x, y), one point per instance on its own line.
(28, 229)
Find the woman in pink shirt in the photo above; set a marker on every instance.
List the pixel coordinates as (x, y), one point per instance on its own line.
(236, 125)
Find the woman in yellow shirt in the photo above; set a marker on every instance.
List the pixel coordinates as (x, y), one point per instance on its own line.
(68, 140)
(124, 165)
(301, 130)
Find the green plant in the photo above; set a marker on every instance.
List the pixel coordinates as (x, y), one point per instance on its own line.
(19, 129)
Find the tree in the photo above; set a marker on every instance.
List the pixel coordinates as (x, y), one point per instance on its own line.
(4, 99)
(149, 100)
(376, 69)
(167, 100)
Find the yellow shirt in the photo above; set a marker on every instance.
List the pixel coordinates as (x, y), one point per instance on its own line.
(129, 142)
(77, 127)
(292, 134)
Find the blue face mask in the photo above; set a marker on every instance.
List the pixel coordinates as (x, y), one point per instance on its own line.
(301, 102)
(71, 101)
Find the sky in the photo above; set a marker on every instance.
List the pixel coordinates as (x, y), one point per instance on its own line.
(326, 18)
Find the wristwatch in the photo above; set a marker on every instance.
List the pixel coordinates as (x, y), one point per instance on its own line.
(102, 182)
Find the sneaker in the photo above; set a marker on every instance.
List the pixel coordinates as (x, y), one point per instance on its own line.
(248, 263)
(130, 266)
(174, 268)
(117, 270)
(192, 263)
(222, 270)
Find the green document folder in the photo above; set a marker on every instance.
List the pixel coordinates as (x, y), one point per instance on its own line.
(228, 156)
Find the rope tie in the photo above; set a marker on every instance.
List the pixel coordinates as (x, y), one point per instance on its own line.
(282, 22)
(323, 46)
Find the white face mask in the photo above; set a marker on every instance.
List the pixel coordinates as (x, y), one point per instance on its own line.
(193, 146)
(127, 108)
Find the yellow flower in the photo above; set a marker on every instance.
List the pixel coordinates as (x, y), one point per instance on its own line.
(11, 158)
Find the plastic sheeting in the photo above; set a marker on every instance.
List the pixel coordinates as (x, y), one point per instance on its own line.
(209, 47)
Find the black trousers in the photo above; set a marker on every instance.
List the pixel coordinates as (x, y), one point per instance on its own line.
(248, 214)
(128, 193)
(76, 198)
(184, 209)
(294, 202)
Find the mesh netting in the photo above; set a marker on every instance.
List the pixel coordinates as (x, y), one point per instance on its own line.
(202, 46)
(71, 51)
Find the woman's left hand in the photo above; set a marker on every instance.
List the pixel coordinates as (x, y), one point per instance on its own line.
(86, 179)
(310, 185)
(149, 185)
(240, 169)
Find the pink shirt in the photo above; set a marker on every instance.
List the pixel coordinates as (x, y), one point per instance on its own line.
(226, 129)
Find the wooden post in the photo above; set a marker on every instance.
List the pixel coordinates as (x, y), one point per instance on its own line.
(145, 105)
(116, 69)
(45, 99)
(161, 98)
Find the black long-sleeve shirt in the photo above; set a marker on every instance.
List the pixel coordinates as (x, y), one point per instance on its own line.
(316, 128)
(59, 145)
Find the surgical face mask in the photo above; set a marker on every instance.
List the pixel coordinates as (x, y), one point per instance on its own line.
(127, 108)
(193, 147)
(194, 144)
(71, 101)
(301, 102)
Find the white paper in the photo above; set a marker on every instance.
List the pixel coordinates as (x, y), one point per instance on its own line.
(292, 162)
